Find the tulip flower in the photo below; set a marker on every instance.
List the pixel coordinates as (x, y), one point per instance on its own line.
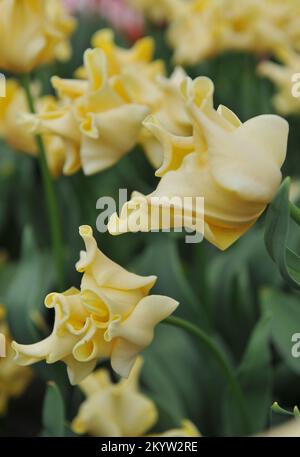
(88, 117)
(199, 29)
(120, 409)
(117, 89)
(111, 316)
(12, 108)
(234, 167)
(286, 78)
(33, 33)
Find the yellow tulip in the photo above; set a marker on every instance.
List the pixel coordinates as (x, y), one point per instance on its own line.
(33, 33)
(115, 410)
(199, 29)
(120, 410)
(235, 167)
(13, 379)
(12, 108)
(139, 56)
(117, 89)
(285, 79)
(98, 126)
(110, 316)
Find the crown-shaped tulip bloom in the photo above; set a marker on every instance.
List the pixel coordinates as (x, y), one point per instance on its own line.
(120, 409)
(111, 316)
(97, 124)
(110, 409)
(99, 117)
(234, 167)
(33, 33)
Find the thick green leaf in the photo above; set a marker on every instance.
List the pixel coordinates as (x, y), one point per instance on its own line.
(183, 380)
(53, 412)
(285, 322)
(235, 277)
(161, 258)
(254, 375)
(277, 234)
(28, 287)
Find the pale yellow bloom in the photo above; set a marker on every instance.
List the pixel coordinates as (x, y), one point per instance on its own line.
(121, 409)
(99, 117)
(12, 130)
(13, 379)
(33, 33)
(115, 410)
(199, 29)
(139, 56)
(287, 98)
(235, 167)
(194, 34)
(111, 315)
(98, 126)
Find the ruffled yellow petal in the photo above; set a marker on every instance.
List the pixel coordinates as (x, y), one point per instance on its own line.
(234, 167)
(98, 321)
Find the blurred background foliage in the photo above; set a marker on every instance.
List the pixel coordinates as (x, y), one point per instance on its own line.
(238, 296)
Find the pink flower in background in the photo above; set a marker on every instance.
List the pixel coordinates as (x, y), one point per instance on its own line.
(123, 18)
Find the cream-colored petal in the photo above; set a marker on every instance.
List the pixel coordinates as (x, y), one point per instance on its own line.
(111, 144)
(106, 272)
(78, 371)
(137, 331)
(175, 147)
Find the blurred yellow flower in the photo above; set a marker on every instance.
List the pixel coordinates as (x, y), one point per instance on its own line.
(118, 410)
(13, 379)
(235, 167)
(286, 77)
(33, 33)
(99, 116)
(12, 108)
(110, 316)
(140, 55)
(158, 11)
(199, 29)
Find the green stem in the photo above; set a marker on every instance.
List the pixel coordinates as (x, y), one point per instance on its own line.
(295, 213)
(53, 212)
(219, 358)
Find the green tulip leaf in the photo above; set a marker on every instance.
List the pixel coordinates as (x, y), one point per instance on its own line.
(53, 412)
(277, 234)
(285, 322)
